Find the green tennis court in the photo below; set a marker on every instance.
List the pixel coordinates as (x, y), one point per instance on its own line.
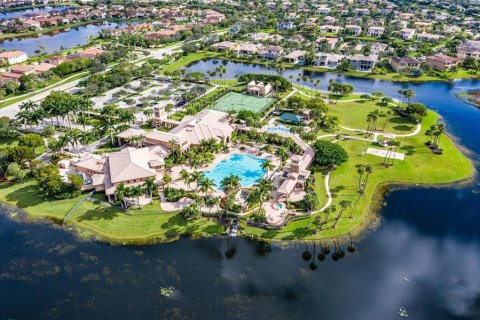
(237, 101)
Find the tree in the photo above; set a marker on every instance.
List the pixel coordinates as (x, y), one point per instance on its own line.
(229, 183)
(15, 172)
(206, 185)
(31, 140)
(415, 112)
(267, 165)
(76, 182)
(329, 154)
(360, 171)
(191, 212)
(211, 202)
(310, 202)
(344, 204)
(136, 192)
(150, 186)
(121, 192)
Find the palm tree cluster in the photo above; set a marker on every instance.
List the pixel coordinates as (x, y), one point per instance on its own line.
(218, 73)
(123, 192)
(270, 138)
(434, 133)
(392, 144)
(406, 96)
(366, 170)
(260, 193)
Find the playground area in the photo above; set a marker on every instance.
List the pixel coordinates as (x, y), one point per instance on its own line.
(238, 101)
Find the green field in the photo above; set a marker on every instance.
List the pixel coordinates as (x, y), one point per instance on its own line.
(237, 101)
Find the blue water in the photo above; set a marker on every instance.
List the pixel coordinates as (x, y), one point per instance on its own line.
(278, 129)
(57, 41)
(18, 13)
(246, 167)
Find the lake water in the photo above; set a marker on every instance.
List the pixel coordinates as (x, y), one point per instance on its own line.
(18, 13)
(54, 42)
(422, 261)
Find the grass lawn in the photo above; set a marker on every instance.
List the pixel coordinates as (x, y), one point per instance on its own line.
(25, 196)
(188, 59)
(237, 101)
(420, 166)
(353, 114)
(150, 223)
(13, 141)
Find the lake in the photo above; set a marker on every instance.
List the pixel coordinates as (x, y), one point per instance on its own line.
(54, 42)
(423, 260)
(18, 13)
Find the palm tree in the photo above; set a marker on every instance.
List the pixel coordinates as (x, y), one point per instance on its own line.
(136, 192)
(121, 194)
(197, 177)
(368, 171)
(344, 204)
(267, 165)
(150, 185)
(310, 202)
(206, 185)
(230, 183)
(75, 136)
(360, 171)
(211, 202)
(185, 177)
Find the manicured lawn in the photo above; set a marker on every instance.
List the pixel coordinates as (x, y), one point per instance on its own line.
(419, 167)
(353, 114)
(13, 141)
(26, 196)
(148, 224)
(188, 59)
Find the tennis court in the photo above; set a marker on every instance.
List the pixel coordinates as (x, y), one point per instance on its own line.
(237, 101)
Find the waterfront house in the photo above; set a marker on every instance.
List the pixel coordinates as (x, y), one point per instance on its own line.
(327, 60)
(405, 64)
(363, 63)
(270, 52)
(441, 62)
(297, 56)
(13, 57)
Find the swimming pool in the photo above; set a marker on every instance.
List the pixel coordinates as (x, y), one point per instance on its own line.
(248, 168)
(278, 129)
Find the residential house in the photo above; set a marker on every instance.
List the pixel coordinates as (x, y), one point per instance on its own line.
(323, 43)
(33, 24)
(405, 64)
(224, 46)
(363, 63)
(285, 25)
(441, 62)
(22, 69)
(375, 31)
(352, 29)
(378, 47)
(327, 60)
(428, 37)
(270, 52)
(329, 29)
(471, 48)
(297, 56)
(407, 33)
(13, 57)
